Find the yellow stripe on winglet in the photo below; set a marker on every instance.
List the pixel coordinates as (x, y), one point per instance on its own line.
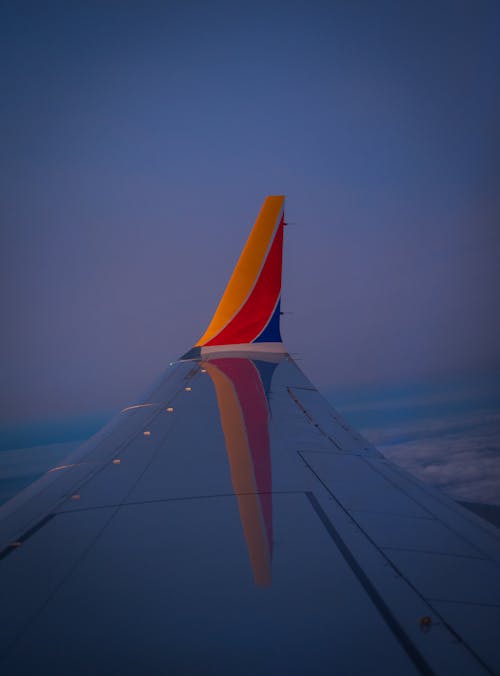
(247, 268)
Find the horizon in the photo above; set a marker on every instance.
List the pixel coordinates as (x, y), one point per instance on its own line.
(446, 433)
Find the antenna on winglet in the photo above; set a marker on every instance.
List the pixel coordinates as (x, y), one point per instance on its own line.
(248, 315)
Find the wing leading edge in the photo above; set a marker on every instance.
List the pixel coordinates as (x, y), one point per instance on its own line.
(233, 522)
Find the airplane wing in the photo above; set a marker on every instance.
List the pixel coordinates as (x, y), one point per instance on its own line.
(233, 523)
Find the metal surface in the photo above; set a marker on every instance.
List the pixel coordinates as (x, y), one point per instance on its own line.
(251, 531)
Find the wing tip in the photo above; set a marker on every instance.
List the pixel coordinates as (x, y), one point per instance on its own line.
(246, 313)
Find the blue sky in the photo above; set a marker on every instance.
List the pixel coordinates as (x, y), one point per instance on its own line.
(139, 139)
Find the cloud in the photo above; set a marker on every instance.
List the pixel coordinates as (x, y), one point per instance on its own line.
(459, 454)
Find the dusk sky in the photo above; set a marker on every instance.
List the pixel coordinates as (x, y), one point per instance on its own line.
(140, 138)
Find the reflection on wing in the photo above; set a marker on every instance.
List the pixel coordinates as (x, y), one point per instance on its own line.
(244, 413)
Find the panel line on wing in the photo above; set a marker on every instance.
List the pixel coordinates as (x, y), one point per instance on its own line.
(136, 503)
(428, 492)
(397, 570)
(376, 469)
(432, 552)
(392, 623)
(311, 420)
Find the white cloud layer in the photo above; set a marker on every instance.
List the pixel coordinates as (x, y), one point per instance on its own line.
(459, 454)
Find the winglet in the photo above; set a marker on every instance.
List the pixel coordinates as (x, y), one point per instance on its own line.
(248, 314)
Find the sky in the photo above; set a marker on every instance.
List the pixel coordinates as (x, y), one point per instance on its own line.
(140, 138)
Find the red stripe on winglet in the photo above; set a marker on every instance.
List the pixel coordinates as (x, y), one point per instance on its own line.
(257, 309)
